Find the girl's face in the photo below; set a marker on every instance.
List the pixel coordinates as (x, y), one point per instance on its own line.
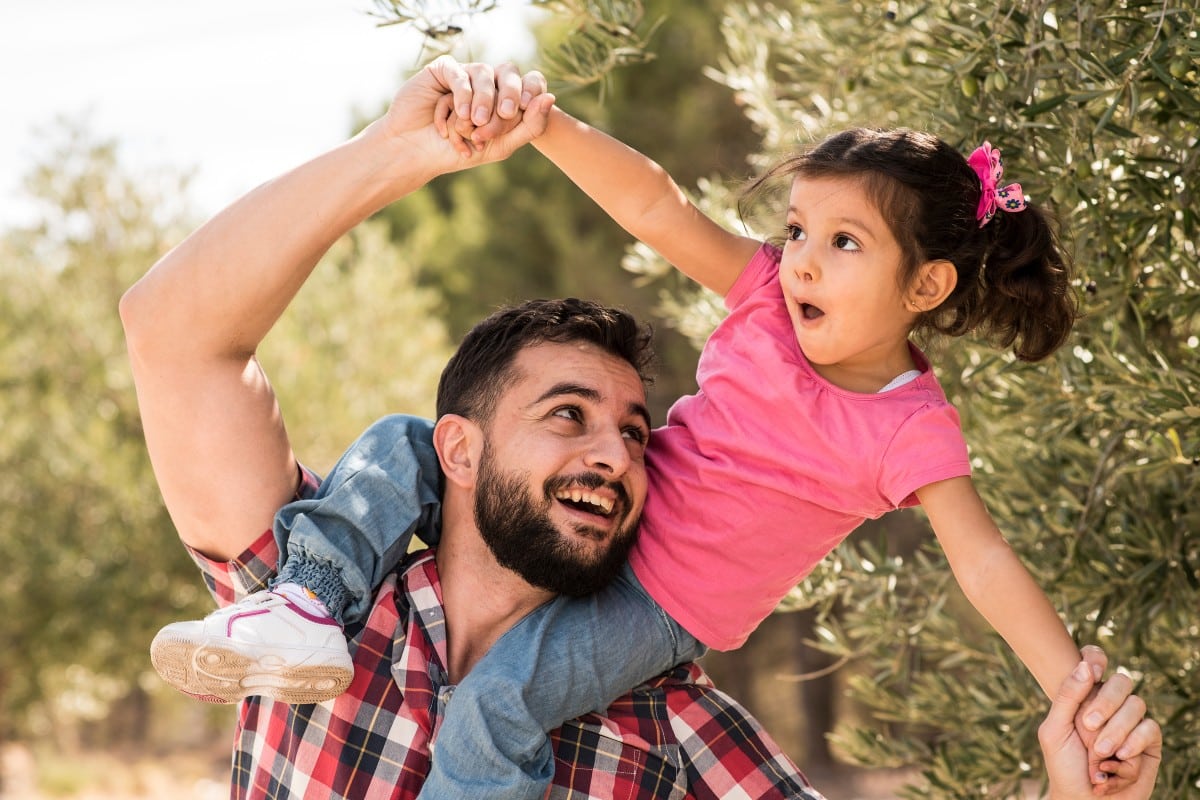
(840, 277)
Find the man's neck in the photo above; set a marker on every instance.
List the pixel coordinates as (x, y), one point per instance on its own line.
(482, 600)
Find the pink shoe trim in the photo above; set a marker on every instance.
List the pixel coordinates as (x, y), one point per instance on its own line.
(319, 619)
(240, 615)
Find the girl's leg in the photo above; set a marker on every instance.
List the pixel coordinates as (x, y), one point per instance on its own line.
(384, 490)
(337, 545)
(567, 658)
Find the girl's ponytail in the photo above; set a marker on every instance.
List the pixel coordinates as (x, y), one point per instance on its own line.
(1025, 300)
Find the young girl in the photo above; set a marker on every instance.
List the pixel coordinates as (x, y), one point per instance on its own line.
(814, 412)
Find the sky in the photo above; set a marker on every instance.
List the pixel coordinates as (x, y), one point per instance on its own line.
(234, 91)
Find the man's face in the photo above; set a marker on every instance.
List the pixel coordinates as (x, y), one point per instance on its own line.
(562, 476)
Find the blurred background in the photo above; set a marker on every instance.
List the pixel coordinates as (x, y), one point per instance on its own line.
(127, 123)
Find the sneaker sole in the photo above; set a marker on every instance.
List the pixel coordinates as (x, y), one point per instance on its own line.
(220, 673)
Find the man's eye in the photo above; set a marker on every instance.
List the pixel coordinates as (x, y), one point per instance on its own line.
(568, 412)
(844, 242)
(794, 233)
(636, 434)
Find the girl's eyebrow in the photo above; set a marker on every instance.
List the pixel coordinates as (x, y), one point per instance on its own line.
(851, 221)
(856, 223)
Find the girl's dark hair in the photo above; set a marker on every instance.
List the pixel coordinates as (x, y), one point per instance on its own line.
(482, 367)
(1014, 282)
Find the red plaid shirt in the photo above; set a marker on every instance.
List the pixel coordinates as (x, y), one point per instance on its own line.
(673, 737)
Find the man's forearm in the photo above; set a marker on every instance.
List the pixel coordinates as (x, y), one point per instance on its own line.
(193, 322)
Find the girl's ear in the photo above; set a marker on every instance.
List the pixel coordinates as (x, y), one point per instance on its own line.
(934, 282)
(459, 443)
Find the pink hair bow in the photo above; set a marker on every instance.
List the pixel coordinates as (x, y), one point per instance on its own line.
(988, 166)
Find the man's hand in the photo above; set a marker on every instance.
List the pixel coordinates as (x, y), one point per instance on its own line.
(501, 111)
(1067, 758)
(1110, 713)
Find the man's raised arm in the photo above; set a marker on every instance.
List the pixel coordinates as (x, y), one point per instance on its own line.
(194, 322)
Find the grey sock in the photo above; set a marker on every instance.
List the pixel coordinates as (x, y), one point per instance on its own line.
(318, 576)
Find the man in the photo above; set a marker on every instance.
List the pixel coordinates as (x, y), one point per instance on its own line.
(557, 407)
(225, 466)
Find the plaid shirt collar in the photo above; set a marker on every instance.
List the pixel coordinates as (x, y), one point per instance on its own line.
(418, 666)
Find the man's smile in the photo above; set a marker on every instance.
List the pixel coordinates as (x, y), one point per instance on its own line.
(586, 500)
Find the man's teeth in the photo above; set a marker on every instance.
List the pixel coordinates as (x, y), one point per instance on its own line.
(583, 496)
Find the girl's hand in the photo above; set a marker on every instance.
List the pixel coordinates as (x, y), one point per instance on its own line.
(516, 106)
(486, 102)
(1110, 725)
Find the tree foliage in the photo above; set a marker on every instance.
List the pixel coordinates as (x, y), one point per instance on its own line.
(1089, 461)
(82, 519)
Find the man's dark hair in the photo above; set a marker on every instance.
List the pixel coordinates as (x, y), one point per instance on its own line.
(482, 368)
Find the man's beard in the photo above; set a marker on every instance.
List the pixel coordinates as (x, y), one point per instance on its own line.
(518, 531)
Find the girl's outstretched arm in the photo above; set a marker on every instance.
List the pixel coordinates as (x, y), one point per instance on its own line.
(997, 583)
(644, 200)
(1002, 590)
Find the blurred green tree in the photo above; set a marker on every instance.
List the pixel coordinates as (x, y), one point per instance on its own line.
(83, 522)
(92, 565)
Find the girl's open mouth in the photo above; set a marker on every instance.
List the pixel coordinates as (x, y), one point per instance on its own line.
(809, 311)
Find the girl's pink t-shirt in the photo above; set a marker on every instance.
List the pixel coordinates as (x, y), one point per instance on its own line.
(763, 471)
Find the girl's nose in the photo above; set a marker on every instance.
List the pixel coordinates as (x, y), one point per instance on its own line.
(804, 266)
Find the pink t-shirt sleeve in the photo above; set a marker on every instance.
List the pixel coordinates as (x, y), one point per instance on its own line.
(927, 448)
(761, 268)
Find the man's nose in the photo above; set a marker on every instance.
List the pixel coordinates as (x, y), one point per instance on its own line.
(608, 453)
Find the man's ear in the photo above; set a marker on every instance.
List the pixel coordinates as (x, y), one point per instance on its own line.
(459, 443)
(934, 282)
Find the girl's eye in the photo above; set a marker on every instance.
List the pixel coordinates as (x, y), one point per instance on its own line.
(844, 242)
(794, 233)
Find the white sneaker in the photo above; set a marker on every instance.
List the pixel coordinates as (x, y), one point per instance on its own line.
(262, 645)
